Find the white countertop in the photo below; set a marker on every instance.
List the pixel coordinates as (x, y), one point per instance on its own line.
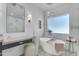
(11, 40)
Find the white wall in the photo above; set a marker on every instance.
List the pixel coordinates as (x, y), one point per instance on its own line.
(74, 21)
(30, 28)
(2, 18)
(36, 15)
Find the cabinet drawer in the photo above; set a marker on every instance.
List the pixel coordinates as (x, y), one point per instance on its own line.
(0, 48)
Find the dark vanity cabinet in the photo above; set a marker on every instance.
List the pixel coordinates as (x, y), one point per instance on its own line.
(0, 48)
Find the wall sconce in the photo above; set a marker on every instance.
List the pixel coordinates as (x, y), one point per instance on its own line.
(29, 18)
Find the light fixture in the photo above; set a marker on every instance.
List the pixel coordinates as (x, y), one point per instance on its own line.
(29, 18)
(48, 13)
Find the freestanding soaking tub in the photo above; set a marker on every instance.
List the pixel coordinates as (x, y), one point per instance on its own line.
(52, 46)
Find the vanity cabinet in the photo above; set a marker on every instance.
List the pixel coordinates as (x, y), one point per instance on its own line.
(15, 48)
(0, 48)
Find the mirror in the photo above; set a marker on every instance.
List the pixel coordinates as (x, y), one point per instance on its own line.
(15, 18)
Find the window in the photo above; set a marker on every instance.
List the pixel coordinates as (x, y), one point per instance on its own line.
(59, 24)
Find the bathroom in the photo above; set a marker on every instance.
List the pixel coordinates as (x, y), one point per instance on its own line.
(22, 22)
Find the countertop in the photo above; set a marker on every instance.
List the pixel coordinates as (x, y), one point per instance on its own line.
(12, 40)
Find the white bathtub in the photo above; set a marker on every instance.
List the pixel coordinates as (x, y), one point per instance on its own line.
(48, 47)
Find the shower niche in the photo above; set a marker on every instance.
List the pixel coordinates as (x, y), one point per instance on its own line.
(15, 18)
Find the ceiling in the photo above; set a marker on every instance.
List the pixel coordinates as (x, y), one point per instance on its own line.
(48, 6)
(54, 9)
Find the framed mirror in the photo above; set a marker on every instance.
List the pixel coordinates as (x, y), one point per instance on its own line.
(15, 18)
